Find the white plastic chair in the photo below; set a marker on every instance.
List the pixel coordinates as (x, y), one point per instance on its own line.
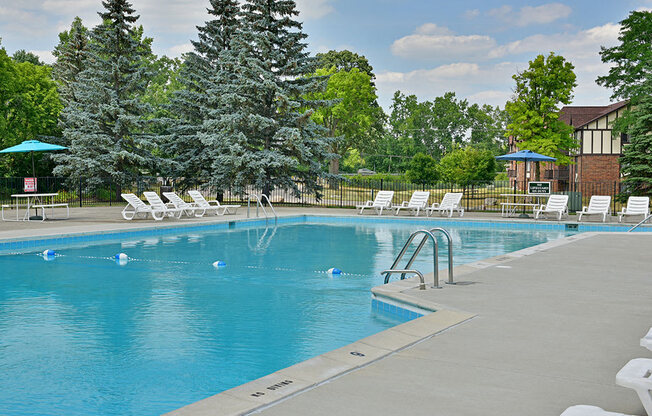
(136, 207)
(382, 201)
(557, 204)
(583, 410)
(636, 205)
(159, 206)
(451, 202)
(598, 205)
(212, 205)
(637, 375)
(418, 202)
(646, 341)
(188, 209)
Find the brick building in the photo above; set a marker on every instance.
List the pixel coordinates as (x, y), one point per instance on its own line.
(596, 159)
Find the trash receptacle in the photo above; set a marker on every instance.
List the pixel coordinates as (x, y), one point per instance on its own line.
(574, 200)
(164, 188)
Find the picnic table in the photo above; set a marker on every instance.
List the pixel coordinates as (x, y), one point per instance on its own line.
(508, 209)
(36, 201)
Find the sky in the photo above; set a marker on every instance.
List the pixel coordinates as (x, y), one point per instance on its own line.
(420, 47)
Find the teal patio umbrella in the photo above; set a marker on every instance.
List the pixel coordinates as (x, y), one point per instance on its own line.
(33, 146)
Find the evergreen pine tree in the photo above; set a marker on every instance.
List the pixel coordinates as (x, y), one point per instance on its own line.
(630, 78)
(70, 56)
(191, 104)
(105, 125)
(261, 132)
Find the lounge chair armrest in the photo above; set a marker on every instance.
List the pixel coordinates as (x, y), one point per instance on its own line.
(435, 205)
(214, 202)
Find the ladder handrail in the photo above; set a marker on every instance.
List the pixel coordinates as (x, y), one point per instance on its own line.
(259, 202)
(640, 223)
(450, 253)
(422, 286)
(426, 234)
(435, 257)
(263, 197)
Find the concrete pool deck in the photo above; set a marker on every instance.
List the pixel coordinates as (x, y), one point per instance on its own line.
(526, 335)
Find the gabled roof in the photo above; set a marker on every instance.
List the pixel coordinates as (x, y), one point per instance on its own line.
(579, 116)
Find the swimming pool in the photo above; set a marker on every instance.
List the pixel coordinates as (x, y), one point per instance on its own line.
(83, 335)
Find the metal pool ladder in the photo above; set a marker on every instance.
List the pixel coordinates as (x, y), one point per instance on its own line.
(427, 234)
(259, 203)
(640, 223)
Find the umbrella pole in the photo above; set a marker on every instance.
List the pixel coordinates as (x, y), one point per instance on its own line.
(36, 216)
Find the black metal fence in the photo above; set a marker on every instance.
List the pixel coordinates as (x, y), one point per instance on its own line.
(344, 193)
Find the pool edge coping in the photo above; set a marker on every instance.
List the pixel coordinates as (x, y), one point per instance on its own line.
(288, 382)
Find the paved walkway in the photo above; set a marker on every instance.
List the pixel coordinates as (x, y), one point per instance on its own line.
(551, 331)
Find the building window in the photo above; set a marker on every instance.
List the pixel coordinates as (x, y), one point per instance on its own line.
(624, 138)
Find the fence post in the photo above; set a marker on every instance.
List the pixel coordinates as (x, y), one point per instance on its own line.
(613, 201)
(381, 185)
(80, 193)
(341, 193)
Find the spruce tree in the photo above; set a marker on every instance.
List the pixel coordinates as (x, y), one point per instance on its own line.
(261, 132)
(630, 78)
(191, 104)
(70, 56)
(105, 126)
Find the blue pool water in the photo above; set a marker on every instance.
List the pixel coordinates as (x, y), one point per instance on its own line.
(83, 335)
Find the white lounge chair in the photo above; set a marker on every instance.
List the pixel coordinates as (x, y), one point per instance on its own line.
(382, 201)
(598, 205)
(583, 410)
(636, 376)
(557, 204)
(646, 341)
(212, 205)
(451, 202)
(418, 201)
(636, 205)
(136, 207)
(159, 206)
(188, 208)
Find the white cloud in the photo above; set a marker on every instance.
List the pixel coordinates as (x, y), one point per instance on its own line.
(433, 29)
(466, 79)
(529, 15)
(437, 43)
(491, 97)
(314, 9)
(472, 14)
(45, 56)
(178, 50)
(488, 83)
(585, 43)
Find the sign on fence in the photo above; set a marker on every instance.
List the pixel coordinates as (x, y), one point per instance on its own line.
(29, 185)
(538, 188)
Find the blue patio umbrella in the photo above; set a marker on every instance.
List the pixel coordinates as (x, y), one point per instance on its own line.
(32, 146)
(526, 156)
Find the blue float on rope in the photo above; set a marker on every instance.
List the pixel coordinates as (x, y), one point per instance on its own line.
(219, 264)
(121, 256)
(49, 253)
(335, 271)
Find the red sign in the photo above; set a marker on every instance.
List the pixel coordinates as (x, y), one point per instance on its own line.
(30, 185)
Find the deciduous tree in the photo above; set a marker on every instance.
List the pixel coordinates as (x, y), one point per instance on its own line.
(534, 108)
